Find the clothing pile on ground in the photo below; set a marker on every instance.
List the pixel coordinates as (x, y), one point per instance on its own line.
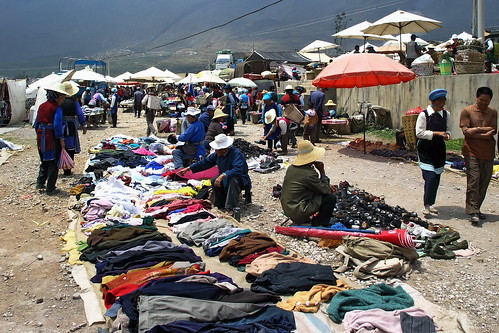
(147, 236)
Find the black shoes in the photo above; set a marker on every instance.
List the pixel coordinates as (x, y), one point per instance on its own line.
(53, 192)
(474, 218)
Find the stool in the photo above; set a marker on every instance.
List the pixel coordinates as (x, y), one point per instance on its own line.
(286, 220)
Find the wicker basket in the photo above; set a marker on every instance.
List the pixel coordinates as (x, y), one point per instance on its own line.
(469, 67)
(423, 69)
(409, 124)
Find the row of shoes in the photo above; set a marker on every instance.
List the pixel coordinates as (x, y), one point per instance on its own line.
(442, 245)
(363, 210)
(250, 150)
(269, 164)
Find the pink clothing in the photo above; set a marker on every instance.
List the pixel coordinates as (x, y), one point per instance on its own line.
(143, 151)
(387, 321)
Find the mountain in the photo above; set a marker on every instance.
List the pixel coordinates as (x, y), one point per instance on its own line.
(50, 30)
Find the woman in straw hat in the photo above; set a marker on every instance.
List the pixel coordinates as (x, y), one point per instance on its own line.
(330, 108)
(72, 119)
(50, 135)
(216, 127)
(304, 192)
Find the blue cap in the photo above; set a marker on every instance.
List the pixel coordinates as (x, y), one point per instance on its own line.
(266, 97)
(437, 93)
(114, 90)
(228, 86)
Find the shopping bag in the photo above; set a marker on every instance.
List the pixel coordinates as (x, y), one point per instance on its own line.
(65, 161)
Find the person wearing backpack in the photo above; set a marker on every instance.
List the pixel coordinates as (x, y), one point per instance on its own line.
(244, 105)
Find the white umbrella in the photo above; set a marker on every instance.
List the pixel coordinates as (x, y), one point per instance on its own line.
(355, 32)
(242, 82)
(189, 78)
(152, 74)
(317, 45)
(171, 75)
(400, 22)
(316, 57)
(110, 79)
(463, 35)
(87, 74)
(394, 45)
(123, 77)
(207, 76)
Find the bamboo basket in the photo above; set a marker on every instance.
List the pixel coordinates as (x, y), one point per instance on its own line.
(469, 67)
(409, 124)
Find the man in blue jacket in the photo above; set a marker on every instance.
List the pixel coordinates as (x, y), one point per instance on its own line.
(192, 138)
(233, 177)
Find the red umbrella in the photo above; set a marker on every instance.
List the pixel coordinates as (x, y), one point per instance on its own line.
(362, 70)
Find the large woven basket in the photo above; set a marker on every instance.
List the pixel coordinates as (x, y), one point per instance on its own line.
(409, 124)
(469, 67)
(422, 69)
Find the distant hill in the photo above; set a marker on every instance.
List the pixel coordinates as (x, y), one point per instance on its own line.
(100, 29)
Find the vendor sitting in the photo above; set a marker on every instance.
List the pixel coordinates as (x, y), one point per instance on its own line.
(331, 112)
(191, 141)
(304, 192)
(233, 177)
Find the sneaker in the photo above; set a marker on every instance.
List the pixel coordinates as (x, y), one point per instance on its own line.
(474, 218)
(426, 211)
(433, 210)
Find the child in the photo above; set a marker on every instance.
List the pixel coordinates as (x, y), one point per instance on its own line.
(310, 123)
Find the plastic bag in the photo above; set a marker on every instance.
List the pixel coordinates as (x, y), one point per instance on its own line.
(65, 161)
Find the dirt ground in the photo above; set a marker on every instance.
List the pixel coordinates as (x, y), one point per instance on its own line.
(39, 295)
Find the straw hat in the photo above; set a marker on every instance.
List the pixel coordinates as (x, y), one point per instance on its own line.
(330, 103)
(222, 141)
(191, 111)
(430, 46)
(308, 153)
(219, 114)
(269, 116)
(68, 88)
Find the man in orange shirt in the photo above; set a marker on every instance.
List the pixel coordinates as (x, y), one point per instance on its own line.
(479, 125)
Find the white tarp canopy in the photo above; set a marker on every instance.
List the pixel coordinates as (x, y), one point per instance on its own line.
(154, 74)
(123, 77)
(33, 88)
(17, 99)
(87, 74)
(463, 35)
(316, 57)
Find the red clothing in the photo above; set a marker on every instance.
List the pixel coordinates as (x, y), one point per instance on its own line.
(46, 112)
(290, 99)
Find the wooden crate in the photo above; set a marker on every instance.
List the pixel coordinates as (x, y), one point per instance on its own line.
(409, 124)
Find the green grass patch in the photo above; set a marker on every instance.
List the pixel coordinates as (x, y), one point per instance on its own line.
(387, 135)
(454, 145)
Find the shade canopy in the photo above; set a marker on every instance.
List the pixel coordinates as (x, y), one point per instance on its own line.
(400, 22)
(189, 78)
(394, 45)
(152, 74)
(318, 45)
(362, 70)
(355, 32)
(208, 76)
(242, 82)
(87, 74)
(123, 77)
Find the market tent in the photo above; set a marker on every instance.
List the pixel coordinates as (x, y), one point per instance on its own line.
(123, 77)
(189, 78)
(17, 100)
(463, 35)
(153, 74)
(87, 74)
(242, 82)
(32, 89)
(171, 75)
(208, 76)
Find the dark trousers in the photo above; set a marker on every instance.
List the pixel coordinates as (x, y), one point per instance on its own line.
(137, 108)
(243, 115)
(310, 134)
(150, 115)
(114, 119)
(228, 197)
(478, 174)
(48, 171)
(325, 211)
(431, 183)
(284, 142)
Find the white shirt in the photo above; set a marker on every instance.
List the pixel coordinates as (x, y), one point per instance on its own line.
(421, 131)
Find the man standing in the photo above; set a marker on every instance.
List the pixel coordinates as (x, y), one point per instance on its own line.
(479, 125)
(318, 97)
(412, 51)
(137, 102)
(233, 177)
(152, 104)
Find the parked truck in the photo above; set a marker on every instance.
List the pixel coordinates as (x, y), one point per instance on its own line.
(225, 59)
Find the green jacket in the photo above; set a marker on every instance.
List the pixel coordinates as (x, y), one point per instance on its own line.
(302, 192)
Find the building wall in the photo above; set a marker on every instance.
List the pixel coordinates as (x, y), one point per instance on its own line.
(405, 96)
